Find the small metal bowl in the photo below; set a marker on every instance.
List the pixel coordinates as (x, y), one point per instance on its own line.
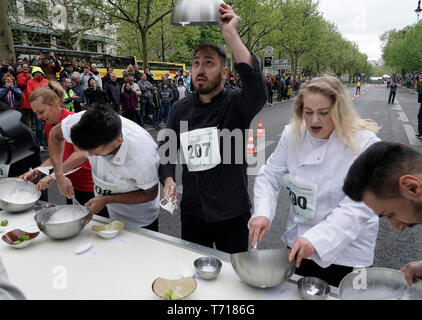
(17, 195)
(313, 288)
(207, 267)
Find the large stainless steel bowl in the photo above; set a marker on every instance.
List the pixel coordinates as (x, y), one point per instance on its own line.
(263, 268)
(378, 284)
(196, 13)
(17, 195)
(62, 222)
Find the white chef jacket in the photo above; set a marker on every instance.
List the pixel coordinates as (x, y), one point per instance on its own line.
(342, 231)
(133, 167)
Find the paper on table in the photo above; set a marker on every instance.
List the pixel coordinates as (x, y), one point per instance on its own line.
(121, 240)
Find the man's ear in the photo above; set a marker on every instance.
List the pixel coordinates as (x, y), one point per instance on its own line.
(410, 187)
(225, 73)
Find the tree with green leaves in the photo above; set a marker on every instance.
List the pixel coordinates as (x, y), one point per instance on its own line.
(142, 15)
(303, 32)
(402, 48)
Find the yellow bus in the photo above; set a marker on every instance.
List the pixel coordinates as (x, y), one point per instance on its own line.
(102, 60)
(158, 68)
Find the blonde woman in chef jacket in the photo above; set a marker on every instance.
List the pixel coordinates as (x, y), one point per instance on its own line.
(328, 233)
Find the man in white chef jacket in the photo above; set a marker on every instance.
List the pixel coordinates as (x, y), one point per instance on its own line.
(124, 160)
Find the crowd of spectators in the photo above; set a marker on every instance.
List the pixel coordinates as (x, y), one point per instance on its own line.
(283, 86)
(136, 95)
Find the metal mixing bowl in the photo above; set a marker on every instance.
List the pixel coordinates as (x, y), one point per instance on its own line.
(196, 13)
(311, 288)
(263, 268)
(17, 195)
(378, 284)
(61, 222)
(207, 267)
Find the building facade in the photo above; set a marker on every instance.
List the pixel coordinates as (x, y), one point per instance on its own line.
(68, 25)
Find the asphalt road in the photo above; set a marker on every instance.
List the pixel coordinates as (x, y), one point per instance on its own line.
(399, 124)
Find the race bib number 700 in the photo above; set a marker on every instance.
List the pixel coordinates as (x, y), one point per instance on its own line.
(302, 196)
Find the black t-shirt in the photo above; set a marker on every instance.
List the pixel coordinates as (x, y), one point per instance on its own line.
(219, 193)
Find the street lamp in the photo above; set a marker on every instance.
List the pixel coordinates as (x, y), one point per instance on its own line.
(418, 9)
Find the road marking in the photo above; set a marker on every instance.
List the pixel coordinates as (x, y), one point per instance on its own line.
(411, 135)
(403, 117)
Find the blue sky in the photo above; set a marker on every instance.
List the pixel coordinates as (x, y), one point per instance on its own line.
(363, 21)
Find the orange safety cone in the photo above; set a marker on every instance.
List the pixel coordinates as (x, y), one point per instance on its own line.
(260, 131)
(250, 148)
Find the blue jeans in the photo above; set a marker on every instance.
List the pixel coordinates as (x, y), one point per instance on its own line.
(38, 130)
(164, 114)
(156, 117)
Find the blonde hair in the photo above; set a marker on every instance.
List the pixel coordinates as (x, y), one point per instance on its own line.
(346, 120)
(8, 75)
(53, 91)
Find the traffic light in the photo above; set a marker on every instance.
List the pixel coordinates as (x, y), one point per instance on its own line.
(268, 62)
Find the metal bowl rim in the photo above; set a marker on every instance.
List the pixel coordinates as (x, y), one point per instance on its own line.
(370, 268)
(37, 193)
(318, 280)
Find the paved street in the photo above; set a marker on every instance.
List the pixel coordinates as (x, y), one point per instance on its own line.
(399, 124)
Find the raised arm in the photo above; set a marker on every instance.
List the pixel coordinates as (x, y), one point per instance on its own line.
(56, 148)
(230, 24)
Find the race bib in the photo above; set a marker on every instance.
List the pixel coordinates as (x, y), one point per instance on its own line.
(4, 170)
(201, 148)
(302, 196)
(102, 188)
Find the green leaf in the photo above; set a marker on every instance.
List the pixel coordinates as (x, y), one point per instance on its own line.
(169, 293)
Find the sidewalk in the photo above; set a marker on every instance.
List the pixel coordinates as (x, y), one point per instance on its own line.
(275, 102)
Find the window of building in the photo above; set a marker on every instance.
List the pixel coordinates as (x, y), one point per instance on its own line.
(12, 5)
(83, 18)
(37, 10)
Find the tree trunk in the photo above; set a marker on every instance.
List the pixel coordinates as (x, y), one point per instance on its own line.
(7, 49)
(144, 48)
(294, 71)
(162, 42)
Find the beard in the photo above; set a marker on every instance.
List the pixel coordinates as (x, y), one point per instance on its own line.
(208, 87)
(417, 210)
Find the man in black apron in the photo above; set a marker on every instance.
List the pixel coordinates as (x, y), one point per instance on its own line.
(215, 208)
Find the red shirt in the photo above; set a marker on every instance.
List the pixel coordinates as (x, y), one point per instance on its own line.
(22, 81)
(81, 179)
(31, 86)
